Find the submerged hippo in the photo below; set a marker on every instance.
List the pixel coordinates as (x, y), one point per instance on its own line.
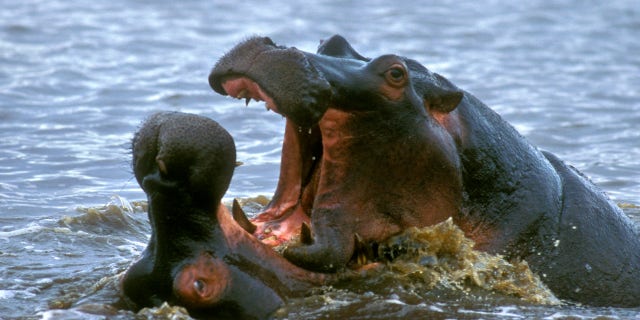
(375, 145)
(198, 256)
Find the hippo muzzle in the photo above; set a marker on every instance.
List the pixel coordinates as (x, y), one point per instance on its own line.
(282, 77)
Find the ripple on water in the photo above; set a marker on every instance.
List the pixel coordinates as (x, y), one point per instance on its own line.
(77, 78)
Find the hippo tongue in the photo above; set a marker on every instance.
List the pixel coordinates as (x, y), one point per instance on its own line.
(258, 69)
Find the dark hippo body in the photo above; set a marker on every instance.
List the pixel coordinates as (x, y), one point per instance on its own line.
(528, 204)
(507, 195)
(198, 256)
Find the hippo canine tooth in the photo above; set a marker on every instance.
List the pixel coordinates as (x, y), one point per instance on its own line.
(161, 165)
(242, 94)
(241, 218)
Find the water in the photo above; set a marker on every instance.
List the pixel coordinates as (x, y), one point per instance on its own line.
(77, 77)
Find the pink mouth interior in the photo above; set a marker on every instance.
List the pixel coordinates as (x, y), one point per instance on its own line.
(244, 88)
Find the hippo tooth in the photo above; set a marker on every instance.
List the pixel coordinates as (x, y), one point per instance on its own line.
(241, 218)
(362, 259)
(363, 251)
(305, 234)
(242, 94)
(161, 165)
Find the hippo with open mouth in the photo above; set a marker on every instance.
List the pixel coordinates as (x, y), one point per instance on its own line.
(372, 146)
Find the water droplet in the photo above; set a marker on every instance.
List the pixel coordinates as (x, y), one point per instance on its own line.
(556, 243)
(588, 267)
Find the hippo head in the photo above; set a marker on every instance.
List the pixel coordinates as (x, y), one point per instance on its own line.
(362, 135)
(301, 85)
(198, 256)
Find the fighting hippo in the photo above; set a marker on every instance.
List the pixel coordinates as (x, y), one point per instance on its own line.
(198, 256)
(375, 145)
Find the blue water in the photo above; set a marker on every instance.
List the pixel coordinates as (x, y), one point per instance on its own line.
(77, 78)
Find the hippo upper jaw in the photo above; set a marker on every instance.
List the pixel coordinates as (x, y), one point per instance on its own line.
(282, 77)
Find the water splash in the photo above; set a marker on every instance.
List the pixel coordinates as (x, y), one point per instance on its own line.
(441, 255)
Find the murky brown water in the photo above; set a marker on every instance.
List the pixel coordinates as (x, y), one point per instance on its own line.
(77, 78)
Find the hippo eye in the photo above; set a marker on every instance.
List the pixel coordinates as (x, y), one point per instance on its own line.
(199, 285)
(395, 75)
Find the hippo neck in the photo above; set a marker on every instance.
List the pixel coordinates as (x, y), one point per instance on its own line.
(501, 164)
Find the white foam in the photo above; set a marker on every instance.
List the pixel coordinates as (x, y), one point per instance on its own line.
(19, 232)
(7, 294)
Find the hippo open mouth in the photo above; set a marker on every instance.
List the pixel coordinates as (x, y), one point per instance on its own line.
(296, 85)
(348, 118)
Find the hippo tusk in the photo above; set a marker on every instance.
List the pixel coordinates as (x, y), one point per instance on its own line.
(241, 218)
(305, 234)
(362, 251)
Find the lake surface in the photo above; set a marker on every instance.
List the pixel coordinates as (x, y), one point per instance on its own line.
(78, 77)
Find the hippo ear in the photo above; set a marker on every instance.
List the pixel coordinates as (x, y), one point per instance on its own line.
(440, 94)
(337, 46)
(442, 100)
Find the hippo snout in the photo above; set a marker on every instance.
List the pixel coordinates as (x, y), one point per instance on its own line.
(284, 78)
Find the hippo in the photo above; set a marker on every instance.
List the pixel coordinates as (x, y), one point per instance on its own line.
(198, 256)
(372, 146)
